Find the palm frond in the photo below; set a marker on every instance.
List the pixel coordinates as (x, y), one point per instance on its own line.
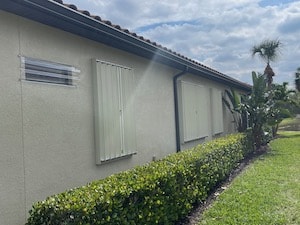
(227, 103)
(268, 50)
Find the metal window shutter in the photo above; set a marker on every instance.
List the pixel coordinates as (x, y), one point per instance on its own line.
(128, 113)
(115, 134)
(110, 134)
(195, 111)
(217, 111)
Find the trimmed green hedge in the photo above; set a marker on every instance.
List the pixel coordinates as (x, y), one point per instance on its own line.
(160, 192)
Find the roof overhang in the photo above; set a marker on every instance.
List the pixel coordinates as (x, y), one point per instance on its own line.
(57, 15)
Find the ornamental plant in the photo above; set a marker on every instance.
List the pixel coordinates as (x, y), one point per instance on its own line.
(161, 192)
(266, 108)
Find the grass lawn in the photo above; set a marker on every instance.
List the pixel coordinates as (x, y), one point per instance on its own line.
(267, 192)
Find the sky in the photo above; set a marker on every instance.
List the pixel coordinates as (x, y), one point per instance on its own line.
(216, 33)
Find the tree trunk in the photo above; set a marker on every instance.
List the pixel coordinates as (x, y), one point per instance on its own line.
(269, 75)
(258, 135)
(274, 130)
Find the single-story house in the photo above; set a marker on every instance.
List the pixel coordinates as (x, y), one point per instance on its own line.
(82, 98)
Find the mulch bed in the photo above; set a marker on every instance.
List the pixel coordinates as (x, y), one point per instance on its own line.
(194, 217)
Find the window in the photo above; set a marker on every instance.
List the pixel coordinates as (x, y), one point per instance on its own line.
(217, 111)
(48, 72)
(195, 108)
(113, 88)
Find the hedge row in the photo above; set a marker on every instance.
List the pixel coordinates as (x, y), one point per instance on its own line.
(160, 192)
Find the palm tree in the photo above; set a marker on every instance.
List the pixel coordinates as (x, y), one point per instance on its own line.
(297, 79)
(268, 51)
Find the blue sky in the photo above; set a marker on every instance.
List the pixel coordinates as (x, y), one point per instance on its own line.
(217, 33)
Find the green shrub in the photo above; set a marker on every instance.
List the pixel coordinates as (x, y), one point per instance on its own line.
(160, 192)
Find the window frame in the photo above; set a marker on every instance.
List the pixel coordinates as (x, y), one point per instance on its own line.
(48, 72)
(114, 116)
(217, 118)
(194, 114)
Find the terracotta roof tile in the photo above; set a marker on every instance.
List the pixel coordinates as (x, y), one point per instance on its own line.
(85, 12)
(71, 6)
(107, 22)
(97, 18)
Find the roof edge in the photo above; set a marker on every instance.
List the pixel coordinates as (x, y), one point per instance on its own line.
(80, 22)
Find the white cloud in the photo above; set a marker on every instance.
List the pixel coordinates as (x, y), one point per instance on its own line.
(217, 33)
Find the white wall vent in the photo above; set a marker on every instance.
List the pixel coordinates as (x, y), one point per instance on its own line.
(48, 72)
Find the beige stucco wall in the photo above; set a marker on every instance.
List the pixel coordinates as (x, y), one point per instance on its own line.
(47, 131)
(228, 124)
(11, 145)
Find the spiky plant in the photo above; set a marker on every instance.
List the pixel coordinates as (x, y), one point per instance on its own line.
(232, 100)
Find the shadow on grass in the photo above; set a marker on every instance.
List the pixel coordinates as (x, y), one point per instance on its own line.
(289, 134)
(290, 124)
(292, 127)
